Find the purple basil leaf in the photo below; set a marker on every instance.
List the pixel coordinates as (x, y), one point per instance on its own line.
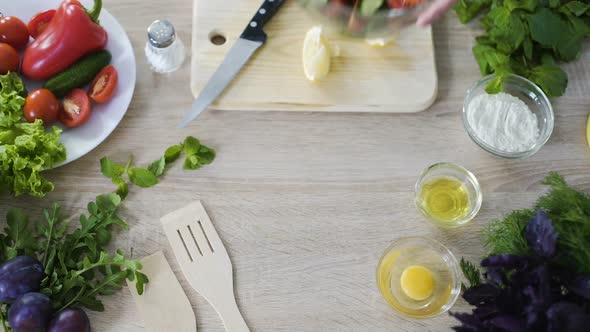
(541, 235)
(509, 323)
(581, 286)
(495, 276)
(485, 311)
(565, 317)
(468, 320)
(463, 329)
(480, 293)
(537, 295)
(508, 262)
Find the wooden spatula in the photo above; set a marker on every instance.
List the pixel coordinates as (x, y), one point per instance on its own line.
(163, 305)
(204, 261)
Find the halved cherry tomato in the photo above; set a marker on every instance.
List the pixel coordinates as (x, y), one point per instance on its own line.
(102, 88)
(76, 109)
(39, 22)
(9, 59)
(41, 104)
(14, 32)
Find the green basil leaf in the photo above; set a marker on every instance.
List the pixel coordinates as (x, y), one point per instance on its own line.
(468, 9)
(191, 146)
(577, 8)
(142, 177)
(110, 169)
(206, 155)
(158, 166)
(547, 27)
(122, 188)
(192, 163)
(552, 79)
(172, 153)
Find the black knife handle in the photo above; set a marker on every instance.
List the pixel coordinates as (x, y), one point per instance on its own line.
(254, 31)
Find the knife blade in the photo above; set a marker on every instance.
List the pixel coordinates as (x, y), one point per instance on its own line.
(251, 39)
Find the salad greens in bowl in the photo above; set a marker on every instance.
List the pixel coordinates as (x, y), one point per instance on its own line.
(368, 19)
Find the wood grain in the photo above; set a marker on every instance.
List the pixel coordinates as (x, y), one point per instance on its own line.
(306, 202)
(400, 77)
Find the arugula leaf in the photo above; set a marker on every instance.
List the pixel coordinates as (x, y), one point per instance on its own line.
(19, 237)
(142, 177)
(552, 79)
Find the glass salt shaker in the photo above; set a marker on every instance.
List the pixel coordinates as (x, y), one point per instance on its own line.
(164, 51)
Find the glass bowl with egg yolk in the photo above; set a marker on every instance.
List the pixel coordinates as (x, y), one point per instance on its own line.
(419, 277)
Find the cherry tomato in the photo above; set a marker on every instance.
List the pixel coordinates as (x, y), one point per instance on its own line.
(103, 87)
(76, 109)
(39, 22)
(14, 32)
(41, 104)
(9, 59)
(403, 3)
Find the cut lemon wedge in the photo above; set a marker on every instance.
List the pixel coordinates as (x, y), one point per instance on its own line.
(316, 55)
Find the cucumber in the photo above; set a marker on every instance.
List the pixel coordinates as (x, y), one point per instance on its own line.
(79, 74)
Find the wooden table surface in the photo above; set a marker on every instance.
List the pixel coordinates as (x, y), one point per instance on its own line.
(307, 202)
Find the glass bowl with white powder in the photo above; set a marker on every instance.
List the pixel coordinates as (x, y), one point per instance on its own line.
(514, 123)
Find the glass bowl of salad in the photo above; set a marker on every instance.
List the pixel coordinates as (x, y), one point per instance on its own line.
(369, 19)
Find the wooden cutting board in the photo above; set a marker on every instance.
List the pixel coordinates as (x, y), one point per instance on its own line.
(400, 77)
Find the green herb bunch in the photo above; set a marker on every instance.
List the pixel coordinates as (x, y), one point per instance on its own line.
(569, 211)
(528, 38)
(196, 156)
(77, 265)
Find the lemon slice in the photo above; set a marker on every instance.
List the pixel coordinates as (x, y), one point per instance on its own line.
(384, 41)
(417, 282)
(588, 131)
(316, 55)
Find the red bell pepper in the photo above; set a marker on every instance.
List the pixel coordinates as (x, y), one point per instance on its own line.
(72, 33)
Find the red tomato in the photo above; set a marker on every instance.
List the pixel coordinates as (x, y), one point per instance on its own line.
(403, 3)
(76, 109)
(9, 59)
(41, 104)
(103, 87)
(39, 22)
(14, 32)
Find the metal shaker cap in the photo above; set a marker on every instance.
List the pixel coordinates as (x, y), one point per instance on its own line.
(161, 33)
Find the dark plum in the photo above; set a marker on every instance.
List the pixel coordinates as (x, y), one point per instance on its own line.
(70, 320)
(30, 313)
(18, 276)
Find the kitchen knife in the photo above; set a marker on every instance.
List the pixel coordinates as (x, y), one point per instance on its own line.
(250, 40)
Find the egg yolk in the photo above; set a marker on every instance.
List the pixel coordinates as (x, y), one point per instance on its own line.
(417, 282)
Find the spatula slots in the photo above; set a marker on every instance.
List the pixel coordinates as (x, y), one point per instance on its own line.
(204, 261)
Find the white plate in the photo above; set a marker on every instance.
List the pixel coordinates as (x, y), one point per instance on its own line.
(105, 117)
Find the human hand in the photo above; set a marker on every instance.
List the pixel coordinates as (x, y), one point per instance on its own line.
(434, 12)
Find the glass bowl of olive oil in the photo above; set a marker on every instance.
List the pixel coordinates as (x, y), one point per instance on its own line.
(448, 195)
(419, 277)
